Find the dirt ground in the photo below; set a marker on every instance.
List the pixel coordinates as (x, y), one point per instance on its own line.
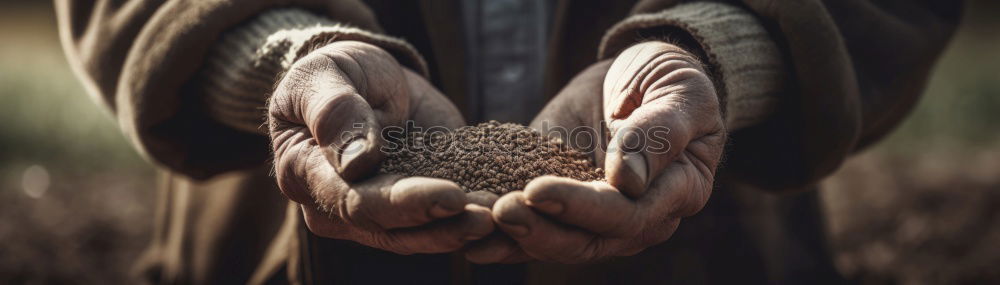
(921, 207)
(919, 220)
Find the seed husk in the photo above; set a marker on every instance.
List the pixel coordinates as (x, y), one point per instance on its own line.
(492, 156)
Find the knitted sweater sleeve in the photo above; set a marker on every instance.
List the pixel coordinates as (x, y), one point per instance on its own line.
(246, 62)
(146, 61)
(746, 64)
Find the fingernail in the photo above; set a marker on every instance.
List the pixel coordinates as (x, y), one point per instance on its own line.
(439, 211)
(637, 164)
(472, 237)
(549, 207)
(352, 151)
(630, 173)
(515, 230)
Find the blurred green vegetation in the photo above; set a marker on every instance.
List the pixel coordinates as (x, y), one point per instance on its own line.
(923, 205)
(961, 105)
(47, 116)
(85, 212)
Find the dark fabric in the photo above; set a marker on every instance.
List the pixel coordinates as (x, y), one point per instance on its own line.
(139, 58)
(858, 67)
(742, 236)
(213, 232)
(507, 50)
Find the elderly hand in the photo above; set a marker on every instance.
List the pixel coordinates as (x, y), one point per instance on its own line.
(326, 116)
(666, 138)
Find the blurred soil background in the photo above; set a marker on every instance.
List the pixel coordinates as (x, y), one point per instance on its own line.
(921, 207)
(75, 198)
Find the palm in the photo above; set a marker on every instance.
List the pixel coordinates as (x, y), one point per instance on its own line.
(327, 117)
(648, 190)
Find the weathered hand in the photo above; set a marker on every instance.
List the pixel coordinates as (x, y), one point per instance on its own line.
(326, 116)
(665, 138)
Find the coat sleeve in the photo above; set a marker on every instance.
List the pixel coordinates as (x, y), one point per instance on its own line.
(852, 70)
(140, 58)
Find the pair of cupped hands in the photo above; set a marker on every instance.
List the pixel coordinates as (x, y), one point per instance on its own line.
(328, 110)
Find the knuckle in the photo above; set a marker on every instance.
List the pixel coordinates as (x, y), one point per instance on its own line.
(335, 112)
(289, 180)
(505, 208)
(477, 230)
(282, 112)
(357, 213)
(278, 105)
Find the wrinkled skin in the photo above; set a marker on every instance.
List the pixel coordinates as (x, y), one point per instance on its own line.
(649, 86)
(328, 110)
(325, 120)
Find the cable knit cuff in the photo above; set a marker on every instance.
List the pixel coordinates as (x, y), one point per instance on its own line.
(243, 67)
(747, 63)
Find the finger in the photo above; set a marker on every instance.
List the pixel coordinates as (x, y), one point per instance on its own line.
(482, 198)
(446, 236)
(293, 153)
(344, 93)
(495, 248)
(317, 95)
(640, 69)
(641, 146)
(661, 101)
(383, 202)
(679, 191)
(594, 206)
(539, 237)
(655, 136)
(379, 203)
(302, 172)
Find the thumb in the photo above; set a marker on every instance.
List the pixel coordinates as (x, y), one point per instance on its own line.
(656, 99)
(642, 146)
(331, 92)
(349, 137)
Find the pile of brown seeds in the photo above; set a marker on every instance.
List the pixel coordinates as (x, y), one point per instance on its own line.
(491, 157)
